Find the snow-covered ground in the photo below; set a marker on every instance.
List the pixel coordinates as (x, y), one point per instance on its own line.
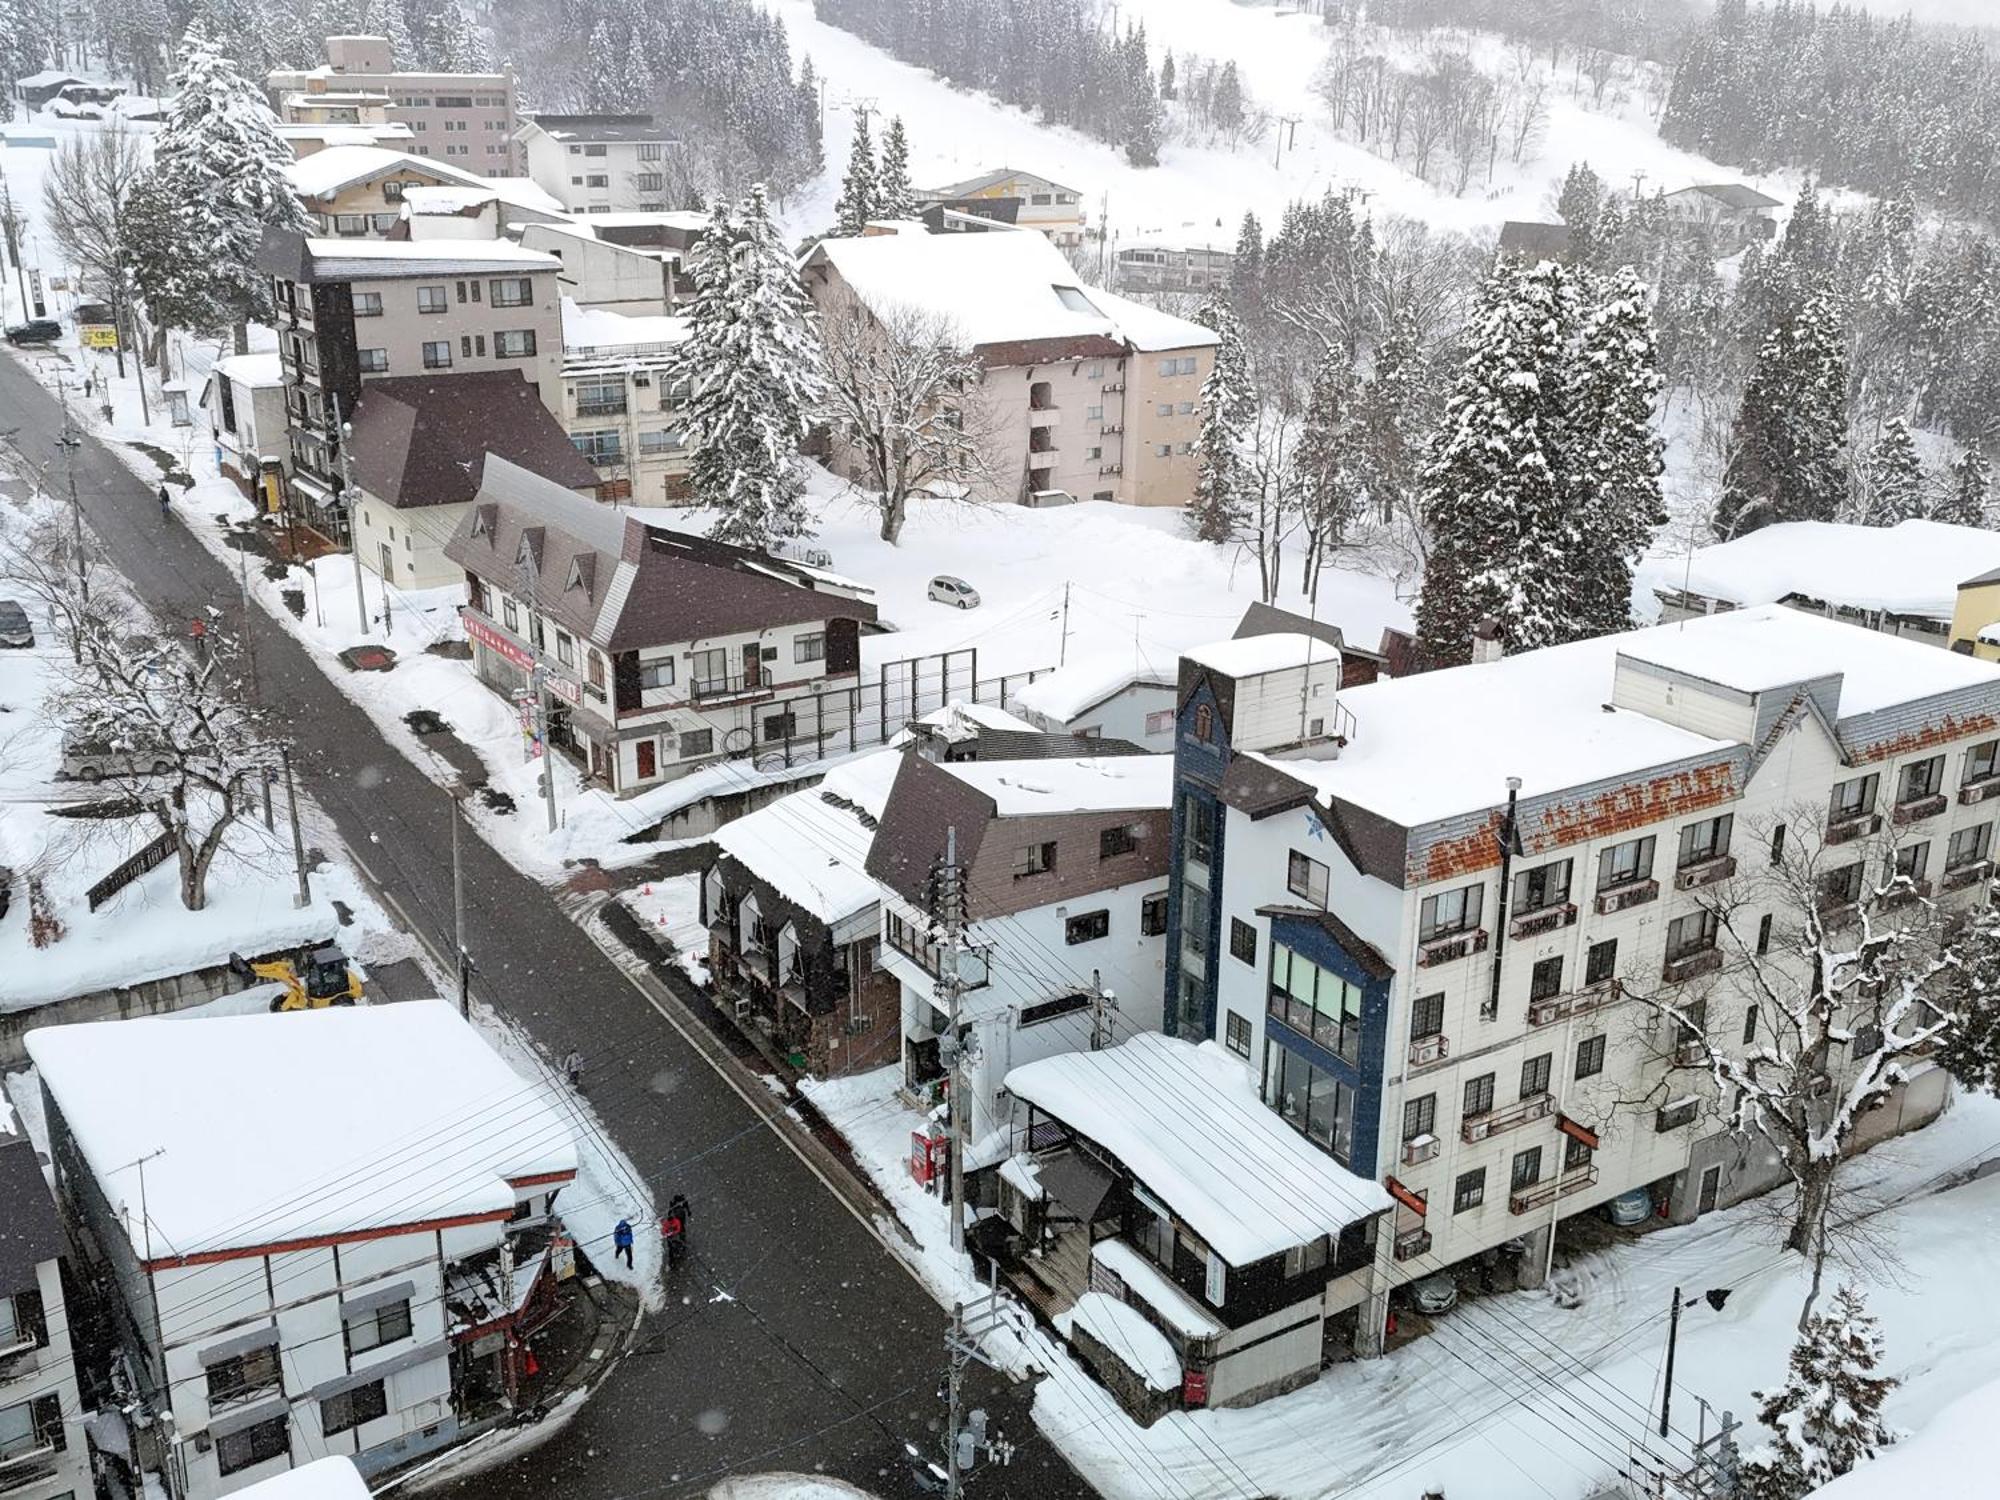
(671, 908)
(1529, 1394)
(1202, 192)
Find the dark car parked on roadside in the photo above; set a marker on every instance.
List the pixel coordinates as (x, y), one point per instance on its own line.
(36, 331)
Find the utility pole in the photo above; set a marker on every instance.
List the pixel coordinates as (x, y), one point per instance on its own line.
(249, 640)
(1715, 1296)
(541, 676)
(344, 430)
(304, 897)
(1062, 650)
(69, 442)
(458, 913)
(970, 1322)
(948, 902)
(1103, 1006)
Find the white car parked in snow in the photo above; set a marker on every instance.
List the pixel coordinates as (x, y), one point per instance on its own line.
(946, 589)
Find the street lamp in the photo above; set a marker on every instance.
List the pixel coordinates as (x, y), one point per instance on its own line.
(1715, 1296)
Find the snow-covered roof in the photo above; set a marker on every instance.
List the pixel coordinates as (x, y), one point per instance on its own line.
(446, 200)
(1251, 655)
(1439, 744)
(258, 371)
(1758, 649)
(958, 719)
(345, 259)
(996, 289)
(347, 133)
(811, 846)
(1912, 568)
(1156, 1289)
(1186, 1121)
(328, 171)
(1083, 684)
(46, 77)
(1126, 1333)
(333, 1478)
(600, 328)
(367, 1117)
(1025, 788)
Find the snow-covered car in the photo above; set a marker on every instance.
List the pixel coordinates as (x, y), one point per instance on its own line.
(66, 109)
(93, 760)
(1434, 1294)
(946, 589)
(1634, 1206)
(15, 632)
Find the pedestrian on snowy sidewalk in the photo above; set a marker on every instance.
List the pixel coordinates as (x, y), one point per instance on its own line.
(674, 1229)
(165, 503)
(621, 1241)
(573, 1068)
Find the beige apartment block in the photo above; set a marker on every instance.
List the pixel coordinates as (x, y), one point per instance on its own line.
(1022, 198)
(1086, 395)
(468, 119)
(361, 192)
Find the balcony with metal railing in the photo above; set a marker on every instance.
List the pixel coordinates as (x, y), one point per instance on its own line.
(1513, 1117)
(1541, 1194)
(1412, 1243)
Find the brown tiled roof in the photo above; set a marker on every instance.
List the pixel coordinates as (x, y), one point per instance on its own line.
(1050, 351)
(423, 439)
(623, 580)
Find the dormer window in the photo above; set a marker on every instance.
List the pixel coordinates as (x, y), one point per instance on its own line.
(482, 522)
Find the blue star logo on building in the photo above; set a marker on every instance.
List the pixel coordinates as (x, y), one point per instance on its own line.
(1315, 830)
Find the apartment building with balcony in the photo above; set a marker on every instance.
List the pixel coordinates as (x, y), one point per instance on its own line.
(351, 311)
(661, 651)
(1422, 909)
(43, 1455)
(368, 192)
(467, 119)
(1172, 264)
(1065, 863)
(599, 164)
(421, 444)
(261, 1327)
(1025, 199)
(621, 406)
(1085, 395)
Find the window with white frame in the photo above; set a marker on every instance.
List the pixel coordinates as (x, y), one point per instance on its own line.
(1982, 762)
(809, 647)
(432, 299)
(1542, 887)
(1854, 798)
(514, 343)
(1706, 840)
(1921, 779)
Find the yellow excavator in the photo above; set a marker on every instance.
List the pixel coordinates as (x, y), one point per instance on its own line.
(313, 979)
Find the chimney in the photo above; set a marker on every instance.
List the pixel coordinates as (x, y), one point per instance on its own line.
(1486, 639)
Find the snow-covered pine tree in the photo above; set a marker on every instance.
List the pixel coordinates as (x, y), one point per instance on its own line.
(1327, 462)
(1968, 490)
(809, 112)
(1143, 126)
(895, 198)
(1168, 90)
(1228, 104)
(1787, 458)
(858, 202)
(752, 361)
(1613, 453)
(1826, 1419)
(1897, 487)
(387, 18)
(1970, 1050)
(1581, 207)
(219, 153)
(1502, 532)
(1228, 405)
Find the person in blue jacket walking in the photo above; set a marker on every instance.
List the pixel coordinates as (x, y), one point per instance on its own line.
(621, 1241)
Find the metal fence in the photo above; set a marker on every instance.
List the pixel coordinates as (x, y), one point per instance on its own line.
(812, 726)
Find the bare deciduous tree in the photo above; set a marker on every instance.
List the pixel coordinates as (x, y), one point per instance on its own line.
(1840, 951)
(86, 203)
(904, 397)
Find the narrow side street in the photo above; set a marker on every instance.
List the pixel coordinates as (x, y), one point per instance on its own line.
(791, 1340)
